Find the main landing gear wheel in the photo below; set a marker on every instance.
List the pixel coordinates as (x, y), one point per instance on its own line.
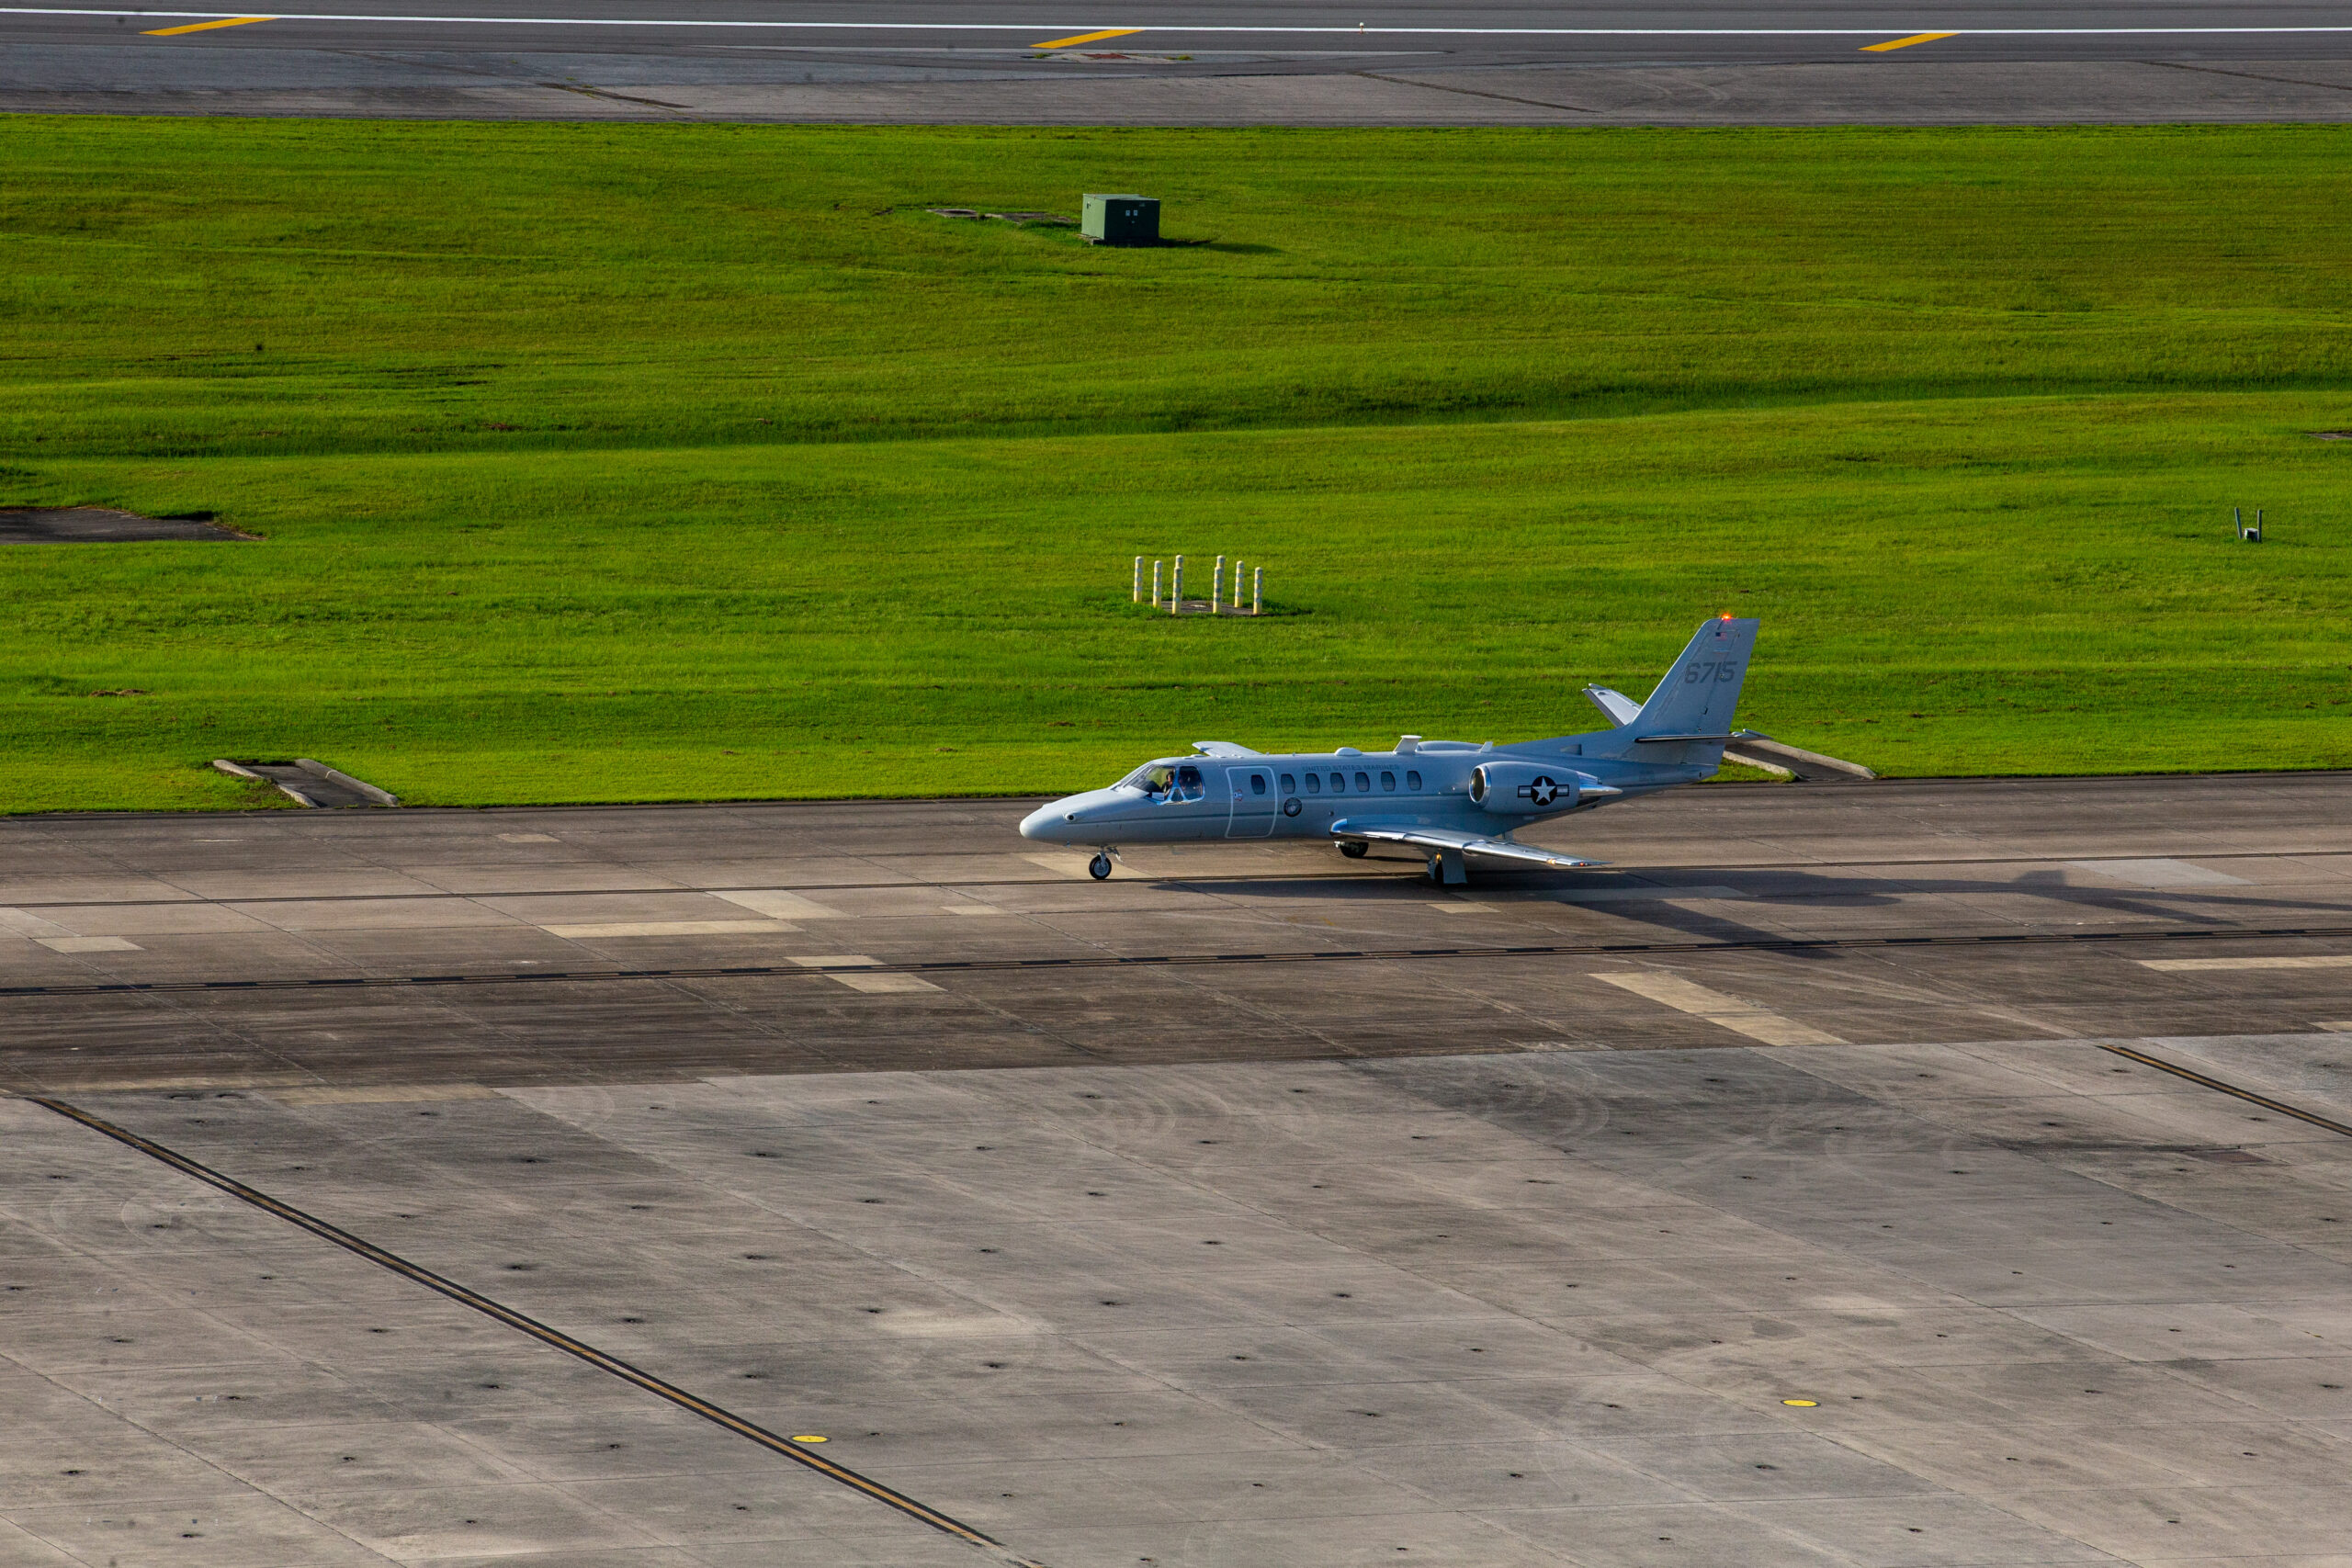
(1356, 851)
(1098, 867)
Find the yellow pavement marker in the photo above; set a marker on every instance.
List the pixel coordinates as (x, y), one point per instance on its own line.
(1085, 38)
(205, 27)
(2261, 961)
(1802, 1404)
(1904, 43)
(1731, 1012)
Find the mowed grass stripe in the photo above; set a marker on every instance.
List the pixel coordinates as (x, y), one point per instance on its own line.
(2033, 585)
(657, 462)
(186, 288)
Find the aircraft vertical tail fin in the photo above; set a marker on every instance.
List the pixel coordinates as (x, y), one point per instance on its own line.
(1699, 694)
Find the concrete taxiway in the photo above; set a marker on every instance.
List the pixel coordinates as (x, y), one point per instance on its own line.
(1696, 62)
(1923, 1173)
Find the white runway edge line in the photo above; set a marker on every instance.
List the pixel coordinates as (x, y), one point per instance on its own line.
(1187, 29)
(1739, 1017)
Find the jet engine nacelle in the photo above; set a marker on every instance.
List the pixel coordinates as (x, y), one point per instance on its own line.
(1522, 789)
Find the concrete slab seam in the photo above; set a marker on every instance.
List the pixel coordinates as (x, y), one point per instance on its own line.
(2245, 1094)
(553, 1338)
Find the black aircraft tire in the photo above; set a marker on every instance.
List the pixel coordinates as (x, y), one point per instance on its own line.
(1356, 851)
(1098, 867)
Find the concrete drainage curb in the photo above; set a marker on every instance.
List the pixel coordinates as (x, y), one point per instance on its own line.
(1756, 751)
(385, 797)
(306, 781)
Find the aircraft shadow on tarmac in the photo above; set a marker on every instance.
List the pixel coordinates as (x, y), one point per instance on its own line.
(1794, 890)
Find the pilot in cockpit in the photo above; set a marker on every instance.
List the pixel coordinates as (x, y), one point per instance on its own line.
(1166, 785)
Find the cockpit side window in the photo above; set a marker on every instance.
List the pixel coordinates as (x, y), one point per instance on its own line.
(1188, 783)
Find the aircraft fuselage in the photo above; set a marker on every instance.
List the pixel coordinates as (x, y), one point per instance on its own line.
(1302, 795)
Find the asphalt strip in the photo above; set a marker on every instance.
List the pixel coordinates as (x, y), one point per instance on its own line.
(1175, 960)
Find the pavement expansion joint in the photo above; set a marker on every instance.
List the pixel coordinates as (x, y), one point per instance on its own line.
(2247, 1095)
(795, 1450)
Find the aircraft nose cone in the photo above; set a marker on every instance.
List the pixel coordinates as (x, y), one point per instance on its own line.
(1044, 823)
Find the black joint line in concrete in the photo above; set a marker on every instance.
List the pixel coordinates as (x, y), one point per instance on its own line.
(554, 1337)
(2245, 1094)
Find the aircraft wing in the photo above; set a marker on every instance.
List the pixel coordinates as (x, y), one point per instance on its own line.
(1223, 749)
(1451, 839)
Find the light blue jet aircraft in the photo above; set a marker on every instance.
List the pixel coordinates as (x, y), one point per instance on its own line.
(1451, 800)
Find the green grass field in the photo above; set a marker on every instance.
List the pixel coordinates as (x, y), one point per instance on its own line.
(628, 463)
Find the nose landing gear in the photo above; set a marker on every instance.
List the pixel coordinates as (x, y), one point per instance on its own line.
(1354, 848)
(1100, 866)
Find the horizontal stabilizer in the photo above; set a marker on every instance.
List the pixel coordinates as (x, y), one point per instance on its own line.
(1223, 749)
(1465, 843)
(1622, 710)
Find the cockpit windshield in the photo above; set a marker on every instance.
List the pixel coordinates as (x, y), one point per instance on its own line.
(1152, 779)
(1166, 782)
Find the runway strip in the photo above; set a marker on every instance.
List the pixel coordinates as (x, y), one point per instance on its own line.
(1174, 960)
(768, 890)
(1186, 30)
(2245, 1094)
(555, 1338)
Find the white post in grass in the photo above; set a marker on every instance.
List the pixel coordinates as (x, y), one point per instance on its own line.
(1177, 591)
(1237, 565)
(1155, 585)
(1257, 592)
(1138, 593)
(1217, 586)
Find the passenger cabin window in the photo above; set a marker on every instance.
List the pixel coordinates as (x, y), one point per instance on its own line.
(1290, 785)
(1363, 783)
(1314, 784)
(1413, 782)
(1257, 784)
(1388, 781)
(1339, 783)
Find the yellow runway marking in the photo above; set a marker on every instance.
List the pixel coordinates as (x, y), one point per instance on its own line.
(2251, 961)
(1731, 1012)
(1904, 43)
(1802, 1404)
(205, 27)
(1085, 38)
